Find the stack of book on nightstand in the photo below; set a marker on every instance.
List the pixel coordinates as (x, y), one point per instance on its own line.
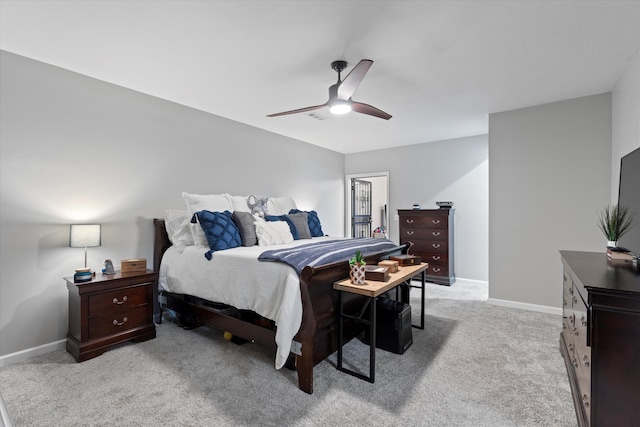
(619, 254)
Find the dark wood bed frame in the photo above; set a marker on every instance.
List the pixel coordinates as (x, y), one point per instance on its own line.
(318, 331)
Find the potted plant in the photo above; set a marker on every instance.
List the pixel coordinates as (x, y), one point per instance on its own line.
(615, 221)
(356, 269)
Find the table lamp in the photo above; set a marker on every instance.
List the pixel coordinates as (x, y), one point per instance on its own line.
(84, 236)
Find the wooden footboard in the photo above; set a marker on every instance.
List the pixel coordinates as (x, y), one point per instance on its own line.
(318, 331)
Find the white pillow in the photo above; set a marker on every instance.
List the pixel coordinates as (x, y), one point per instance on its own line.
(273, 233)
(280, 205)
(238, 203)
(210, 202)
(178, 226)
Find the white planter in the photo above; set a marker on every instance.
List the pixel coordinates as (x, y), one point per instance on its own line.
(357, 274)
(612, 243)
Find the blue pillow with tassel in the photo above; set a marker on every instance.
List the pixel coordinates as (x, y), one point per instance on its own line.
(220, 230)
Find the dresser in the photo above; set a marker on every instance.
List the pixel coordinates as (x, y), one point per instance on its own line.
(431, 233)
(108, 310)
(600, 338)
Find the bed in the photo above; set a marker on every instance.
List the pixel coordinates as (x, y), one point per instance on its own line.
(302, 329)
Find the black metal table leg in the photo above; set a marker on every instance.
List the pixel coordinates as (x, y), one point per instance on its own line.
(340, 330)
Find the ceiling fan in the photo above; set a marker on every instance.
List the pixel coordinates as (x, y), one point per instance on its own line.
(340, 93)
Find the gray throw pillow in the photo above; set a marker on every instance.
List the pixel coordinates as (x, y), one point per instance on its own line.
(244, 222)
(300, 220)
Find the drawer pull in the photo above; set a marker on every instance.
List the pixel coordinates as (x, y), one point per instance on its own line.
(436, 270)
(115, 300)
(585, 400)
(575, 331)
(436, 258)
(583, 320)
(575, 300)
(435, 221)
(409, 221)
(570, 347)
(116, 323)
(409, 232)
(435, 233)
(574, 362)
(585, 360)
(436, 245)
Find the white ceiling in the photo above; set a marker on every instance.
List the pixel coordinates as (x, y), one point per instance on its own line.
(440, 66)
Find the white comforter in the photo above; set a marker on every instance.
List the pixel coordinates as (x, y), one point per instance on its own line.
(236, 277)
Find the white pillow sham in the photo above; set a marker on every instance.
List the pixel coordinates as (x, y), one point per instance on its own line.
(178, 226)
(273, 233)
(238, 203)
(280, 205)
(210, 202)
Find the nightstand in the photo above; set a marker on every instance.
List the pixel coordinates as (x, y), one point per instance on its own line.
(108, 310)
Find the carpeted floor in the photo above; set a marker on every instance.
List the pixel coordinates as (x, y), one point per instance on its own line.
(475, 364)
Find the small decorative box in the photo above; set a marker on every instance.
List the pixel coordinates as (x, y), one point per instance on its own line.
(133, 265)
(376, 273)
(406, 259)
(390, 264)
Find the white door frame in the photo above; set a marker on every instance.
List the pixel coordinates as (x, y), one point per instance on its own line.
(347, 192)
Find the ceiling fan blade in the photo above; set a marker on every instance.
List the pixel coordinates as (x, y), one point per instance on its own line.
(299, 110)
(350, 83)
(359, 107)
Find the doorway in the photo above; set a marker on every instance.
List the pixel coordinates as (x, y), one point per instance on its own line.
(367, 205)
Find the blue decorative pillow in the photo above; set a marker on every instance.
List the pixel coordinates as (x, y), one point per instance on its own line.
(314, 222)
(219, 229)
(292, 227)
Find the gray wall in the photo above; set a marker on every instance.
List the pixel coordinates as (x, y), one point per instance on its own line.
(74, 149)
(550, 174)
(455, 170)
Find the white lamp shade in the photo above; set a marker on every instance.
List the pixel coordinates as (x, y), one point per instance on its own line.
(84, 235)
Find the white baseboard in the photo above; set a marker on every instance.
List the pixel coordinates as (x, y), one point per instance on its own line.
(526, 306)
(21, 356)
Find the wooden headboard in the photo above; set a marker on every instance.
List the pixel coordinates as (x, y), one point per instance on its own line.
(161, 242)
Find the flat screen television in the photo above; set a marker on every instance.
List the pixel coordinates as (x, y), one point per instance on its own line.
(629, 195)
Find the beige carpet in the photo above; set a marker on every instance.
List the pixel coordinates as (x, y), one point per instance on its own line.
(475, 364)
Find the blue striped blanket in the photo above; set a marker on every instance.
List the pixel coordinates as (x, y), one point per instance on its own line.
(328, 252)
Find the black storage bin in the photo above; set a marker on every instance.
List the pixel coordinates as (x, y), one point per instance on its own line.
(393, 326)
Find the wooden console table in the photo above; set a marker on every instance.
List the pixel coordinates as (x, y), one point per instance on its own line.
(373, 290)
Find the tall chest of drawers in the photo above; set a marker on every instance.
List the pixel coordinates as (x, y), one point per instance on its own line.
(431, 233)
(600, 338)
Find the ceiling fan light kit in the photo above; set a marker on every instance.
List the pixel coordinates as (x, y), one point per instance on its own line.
(340, 93)
(340, 107)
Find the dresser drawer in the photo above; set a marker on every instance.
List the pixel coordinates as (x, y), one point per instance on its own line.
(437, 269)
(117, 300)
(117, 322)
(424, 247)
(435, 256)
(432, 220)
(430, 234)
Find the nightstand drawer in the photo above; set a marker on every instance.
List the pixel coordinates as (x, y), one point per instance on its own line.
(117, 322)
(117, 300)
